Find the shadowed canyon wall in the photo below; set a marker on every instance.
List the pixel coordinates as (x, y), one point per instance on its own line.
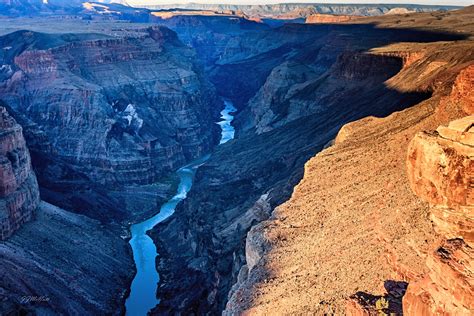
(354, 218)
(19, 192)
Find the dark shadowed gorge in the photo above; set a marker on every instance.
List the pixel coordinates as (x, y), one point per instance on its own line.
(335, 196)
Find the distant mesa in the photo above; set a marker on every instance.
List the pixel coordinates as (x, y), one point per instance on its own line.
(399, 11)
(330, 18)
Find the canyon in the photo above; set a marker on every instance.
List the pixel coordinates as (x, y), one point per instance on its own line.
(134, 141)
(300, 107)
(343, 228)
(323, 202)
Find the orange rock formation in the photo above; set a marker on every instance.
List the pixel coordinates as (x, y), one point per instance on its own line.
(330, 18)
(441, 172)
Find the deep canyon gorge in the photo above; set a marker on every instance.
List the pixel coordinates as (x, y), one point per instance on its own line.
(236, 159)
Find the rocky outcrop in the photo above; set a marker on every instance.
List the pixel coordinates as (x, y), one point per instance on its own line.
(19, 193)
(462, 90)
(399, 11)
(290, 90)
(59, 262)
(114, 111)
(328, 18)
(441, 169)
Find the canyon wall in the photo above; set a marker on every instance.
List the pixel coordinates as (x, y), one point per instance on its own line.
(107, 112)
(353, 235)
(19, 192)
(327, 18)
(316, 78)
(440, 169)
(302, 10)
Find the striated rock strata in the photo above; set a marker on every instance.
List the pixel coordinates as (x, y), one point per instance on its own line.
(441, 172)
(289, 11)
(107, 111)
(314, 79)
(328, 18)
(19, 193)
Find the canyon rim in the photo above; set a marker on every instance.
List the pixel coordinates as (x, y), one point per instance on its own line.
(203, 159)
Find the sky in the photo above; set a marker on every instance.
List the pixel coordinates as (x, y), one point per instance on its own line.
(434, 2)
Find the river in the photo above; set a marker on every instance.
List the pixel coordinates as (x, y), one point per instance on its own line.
(142, 296)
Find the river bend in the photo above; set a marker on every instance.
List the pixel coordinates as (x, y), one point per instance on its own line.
(142, 296)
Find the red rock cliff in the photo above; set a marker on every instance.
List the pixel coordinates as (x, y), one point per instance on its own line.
(19, 194)
(441, 172)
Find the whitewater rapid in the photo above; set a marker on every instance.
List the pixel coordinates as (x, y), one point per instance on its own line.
(142, 296)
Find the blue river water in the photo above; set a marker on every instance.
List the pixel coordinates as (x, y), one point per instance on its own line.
(142, 296)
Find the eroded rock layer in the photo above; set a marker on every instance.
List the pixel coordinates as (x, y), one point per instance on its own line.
(441, 172)
(327, 18)
(64, 263)
(301, 10)
(19, 193)
(353, 226)
(107, 111)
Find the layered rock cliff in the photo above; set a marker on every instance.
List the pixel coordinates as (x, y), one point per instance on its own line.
(352, 233)
(107, 111)
(327, 18)
(440, 169)
(302, 10)
(19, 192)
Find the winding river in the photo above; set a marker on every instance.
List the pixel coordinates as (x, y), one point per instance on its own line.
(142, 296)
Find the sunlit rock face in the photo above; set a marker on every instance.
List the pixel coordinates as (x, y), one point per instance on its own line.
(112, 111)
(19, 193)
(328, 18)
(440, 169)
